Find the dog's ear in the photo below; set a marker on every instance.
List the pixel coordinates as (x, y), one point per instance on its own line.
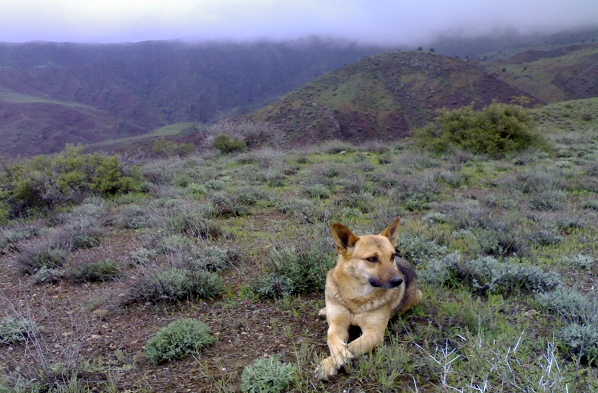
(343, 237)
(392, 231)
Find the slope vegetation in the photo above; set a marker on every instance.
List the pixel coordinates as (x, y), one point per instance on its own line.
(383, 97)
(133, 89)
(552, 73)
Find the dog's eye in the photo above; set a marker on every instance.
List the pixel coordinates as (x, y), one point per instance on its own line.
(372, 259)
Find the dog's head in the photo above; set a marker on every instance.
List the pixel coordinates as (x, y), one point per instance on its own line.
(369, 258)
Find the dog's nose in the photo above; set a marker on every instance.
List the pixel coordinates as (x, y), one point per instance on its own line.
(395, 282)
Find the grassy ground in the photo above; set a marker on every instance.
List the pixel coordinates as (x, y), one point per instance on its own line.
(505, 249)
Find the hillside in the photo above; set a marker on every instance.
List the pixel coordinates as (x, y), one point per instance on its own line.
(131, 89)
(114, 97)
(383, 97)
(506, 252)
(552, 73)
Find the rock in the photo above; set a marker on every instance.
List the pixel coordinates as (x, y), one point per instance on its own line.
(100, 313)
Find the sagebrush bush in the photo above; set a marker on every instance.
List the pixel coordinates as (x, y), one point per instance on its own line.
(178, 340)
(318, 191)
(267, 375)
(47, 276)
(173, 284)
(132, 217)
(226, 204)
(494, 130)
(566, 303)
(581, 341)
(94, 271)
(11, 236)
(38, 257)
(75, 239)
(305, 210)
(142, 255)
(440, 270)
(415, 193)
(252, 135)
(192, 220)
(211, 258)
(14, 331)
(581, 261)
(291, 270)
(418, 249)
(488, 275)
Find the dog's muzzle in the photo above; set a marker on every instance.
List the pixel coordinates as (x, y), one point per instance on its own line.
(393, 283)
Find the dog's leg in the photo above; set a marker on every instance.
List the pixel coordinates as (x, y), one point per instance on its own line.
(338, 334)
(372, 334)
(322, 312)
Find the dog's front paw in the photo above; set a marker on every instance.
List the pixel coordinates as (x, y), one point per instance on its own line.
(326, 369)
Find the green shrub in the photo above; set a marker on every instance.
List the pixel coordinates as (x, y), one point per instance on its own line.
(95, 271)
(178, 340)
(45, 182)
(173, 284)
(165, 148)
(13, 331)
(267, 375)
(494, 130)
(227, 144)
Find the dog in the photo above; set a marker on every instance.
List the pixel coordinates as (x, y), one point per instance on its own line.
(367, 286)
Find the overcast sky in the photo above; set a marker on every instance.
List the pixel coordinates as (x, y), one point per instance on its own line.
(396, 22)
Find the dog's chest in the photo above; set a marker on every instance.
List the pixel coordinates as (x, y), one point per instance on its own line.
(360, 303)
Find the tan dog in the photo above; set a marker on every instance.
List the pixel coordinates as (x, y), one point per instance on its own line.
(366, 287)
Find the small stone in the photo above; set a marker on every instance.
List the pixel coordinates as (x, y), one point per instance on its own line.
(100, 313)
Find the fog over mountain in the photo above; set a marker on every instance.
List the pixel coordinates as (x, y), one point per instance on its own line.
(382, 22)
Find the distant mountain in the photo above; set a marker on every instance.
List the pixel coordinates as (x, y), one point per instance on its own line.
(52, 93)
(552, 73)
(121, 94)
(383, 97)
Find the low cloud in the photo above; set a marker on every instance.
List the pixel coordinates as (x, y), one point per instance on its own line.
(391, 22)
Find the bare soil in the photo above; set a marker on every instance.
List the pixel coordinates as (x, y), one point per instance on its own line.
(90, 322)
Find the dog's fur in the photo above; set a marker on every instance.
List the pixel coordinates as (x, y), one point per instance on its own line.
(366, 287)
